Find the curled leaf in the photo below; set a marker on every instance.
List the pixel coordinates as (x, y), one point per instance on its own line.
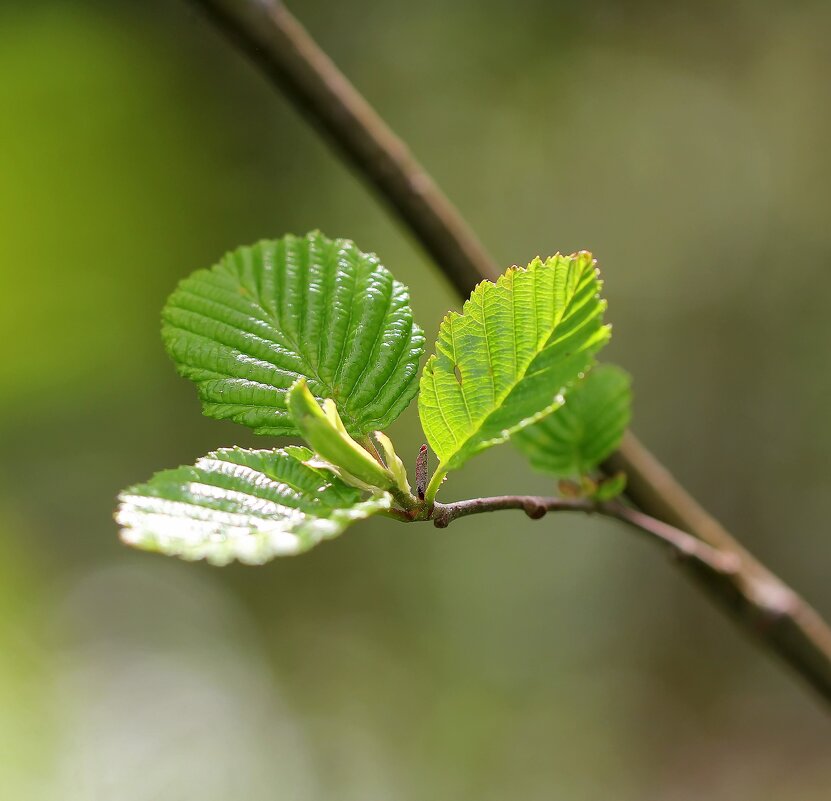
(323, 430)
(393, 461)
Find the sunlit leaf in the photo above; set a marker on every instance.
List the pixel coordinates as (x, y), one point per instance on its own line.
(245, 505)
(312, 307)
(577, 437)
(507, 359)
(393, 461)
(323, 429)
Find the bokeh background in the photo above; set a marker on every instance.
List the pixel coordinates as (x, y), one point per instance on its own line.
(685, 143)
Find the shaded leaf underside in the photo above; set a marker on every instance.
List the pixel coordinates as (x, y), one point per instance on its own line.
(577, 437)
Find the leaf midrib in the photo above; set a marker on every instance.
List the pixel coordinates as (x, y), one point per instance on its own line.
(497, 405)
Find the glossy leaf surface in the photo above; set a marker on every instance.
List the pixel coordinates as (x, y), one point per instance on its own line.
(245, 505)
(245, 330)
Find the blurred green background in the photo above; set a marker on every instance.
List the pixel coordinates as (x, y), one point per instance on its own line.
(685, 143)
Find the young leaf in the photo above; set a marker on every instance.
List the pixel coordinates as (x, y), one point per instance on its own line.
(576, 438)
(610, 488)
(242, 504)
(245, 330)
(393, 462)
(505, 361)
(323, 429)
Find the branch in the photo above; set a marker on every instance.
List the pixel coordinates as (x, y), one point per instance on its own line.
(705, 560)
(719, 573)
(278, 44)
(763, 605)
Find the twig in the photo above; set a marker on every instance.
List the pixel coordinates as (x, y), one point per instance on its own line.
(278, 44)
(724, 574)
(682, 545)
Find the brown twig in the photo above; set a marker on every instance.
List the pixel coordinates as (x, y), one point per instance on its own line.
(682, 545)
(278, 44)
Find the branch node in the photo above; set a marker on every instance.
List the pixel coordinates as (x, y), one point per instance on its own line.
(534, 509)
(441, 515)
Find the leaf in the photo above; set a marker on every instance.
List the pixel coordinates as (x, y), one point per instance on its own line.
(323, 429)
(393, 462)
(312, 307)
(506, 360)
(610, 488)
(589, 427)
(248, 505)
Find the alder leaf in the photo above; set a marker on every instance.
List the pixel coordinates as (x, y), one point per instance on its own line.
(577, 437)
(507, 359)
(393, 462)
(248, 505)
(298, 307)
(323, 429)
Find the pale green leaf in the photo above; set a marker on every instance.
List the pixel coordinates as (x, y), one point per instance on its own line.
(610, 488)
(507, 359)
(312, 307)
(577, 437)
(245, 505)
(323, 429)
(393, 462)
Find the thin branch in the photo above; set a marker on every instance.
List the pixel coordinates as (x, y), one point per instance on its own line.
(723, 573)
(685, 547)
(278, 44)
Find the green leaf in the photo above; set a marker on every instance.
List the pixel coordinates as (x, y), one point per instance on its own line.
(589, 427)
(248, 505)
(323, 429)
(311, 307)
(507, 359)
(610, 488)
(393, 462)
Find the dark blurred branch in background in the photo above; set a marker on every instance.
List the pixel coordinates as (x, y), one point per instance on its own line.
(274, 40)
(280, 46)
